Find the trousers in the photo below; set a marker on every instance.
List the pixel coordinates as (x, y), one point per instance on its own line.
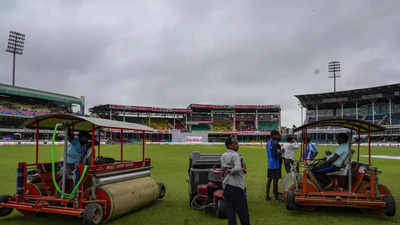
(236, 203)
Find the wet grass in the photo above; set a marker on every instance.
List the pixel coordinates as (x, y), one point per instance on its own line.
(170, 166)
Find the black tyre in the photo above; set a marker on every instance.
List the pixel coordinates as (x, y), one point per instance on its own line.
(221, 209)
(162, 190)
(291, 201)
(5, 211)
(191, 195)
(93, 214)
(390, 209)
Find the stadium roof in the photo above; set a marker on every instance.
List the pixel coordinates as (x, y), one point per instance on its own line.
(363, 95)
(33, 93)
(358, 125)
(181, 110)
(81, 123)
(140, 108)
(207, 106)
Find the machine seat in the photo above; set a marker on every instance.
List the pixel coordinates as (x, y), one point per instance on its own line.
(344, 171)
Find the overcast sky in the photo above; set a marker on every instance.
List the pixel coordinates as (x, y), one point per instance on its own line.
(174, 53)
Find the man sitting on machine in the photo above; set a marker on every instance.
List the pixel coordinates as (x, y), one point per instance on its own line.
(333, 162)
(77, 150)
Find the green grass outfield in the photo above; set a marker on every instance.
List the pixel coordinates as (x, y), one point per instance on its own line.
(170, 166)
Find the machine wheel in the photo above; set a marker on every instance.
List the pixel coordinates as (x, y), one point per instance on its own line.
(162, 190)
(390, 209)
(191, 196)
(221, 209)
(291, 201)
(32, 189)
(93, 214)
(296, 206)
(5, 211)
(383, 190)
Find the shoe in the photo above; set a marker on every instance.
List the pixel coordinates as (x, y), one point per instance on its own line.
(267, 198)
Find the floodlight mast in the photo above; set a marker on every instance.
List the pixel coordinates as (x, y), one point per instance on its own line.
(15, 46)
(334, 67)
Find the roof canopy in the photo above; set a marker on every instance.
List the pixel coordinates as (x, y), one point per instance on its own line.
(81, 123)
(361, 126)
(362, 96)
(208, 106)
(32, 93)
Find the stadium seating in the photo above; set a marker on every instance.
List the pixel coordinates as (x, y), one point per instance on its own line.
(135, 120)
(201, 127)
(309, 120)
(268, 125)
(158, 123)
(396, 118)
(245, 117)
(222, 125)
(265, 117)
(178, 124)
(8, 107)
(245, 126)
(201, 117)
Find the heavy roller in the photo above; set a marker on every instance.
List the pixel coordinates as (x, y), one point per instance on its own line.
(97, 189)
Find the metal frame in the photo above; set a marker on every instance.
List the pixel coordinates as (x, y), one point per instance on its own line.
(310, 194)
(31, 200)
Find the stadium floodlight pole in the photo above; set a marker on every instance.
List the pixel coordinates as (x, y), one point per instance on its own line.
(15, 46)
(334, 67)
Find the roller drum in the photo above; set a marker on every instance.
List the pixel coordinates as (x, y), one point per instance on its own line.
(130, 195)
(122, 177)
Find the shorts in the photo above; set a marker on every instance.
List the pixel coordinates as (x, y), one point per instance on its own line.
(274, 173)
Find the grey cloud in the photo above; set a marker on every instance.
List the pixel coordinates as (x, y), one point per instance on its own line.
(173, 53)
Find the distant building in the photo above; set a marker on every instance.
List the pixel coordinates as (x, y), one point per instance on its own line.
(379, 105)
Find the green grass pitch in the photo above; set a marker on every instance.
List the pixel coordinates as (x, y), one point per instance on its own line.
(170, 166)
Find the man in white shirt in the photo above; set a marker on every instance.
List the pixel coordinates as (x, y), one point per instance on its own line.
(288, 154)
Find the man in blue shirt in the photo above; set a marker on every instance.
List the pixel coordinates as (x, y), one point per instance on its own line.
(310, 151)
(334, 161)
(274, 166)
(77, 151)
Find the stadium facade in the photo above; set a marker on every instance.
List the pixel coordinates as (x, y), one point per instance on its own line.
(379, 105)
(18, 104)
(198, 122)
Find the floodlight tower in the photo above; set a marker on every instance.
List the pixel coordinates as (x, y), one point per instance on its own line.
(15, 46)
(334, 67)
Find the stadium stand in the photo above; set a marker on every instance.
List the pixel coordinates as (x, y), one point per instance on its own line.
(179, 125)
(268, 125)
(201, 117)
(379, 105)
(222, 125)
(245, 126)
(217, 121)
(19, 103)
(159, 124)
(201, 127)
